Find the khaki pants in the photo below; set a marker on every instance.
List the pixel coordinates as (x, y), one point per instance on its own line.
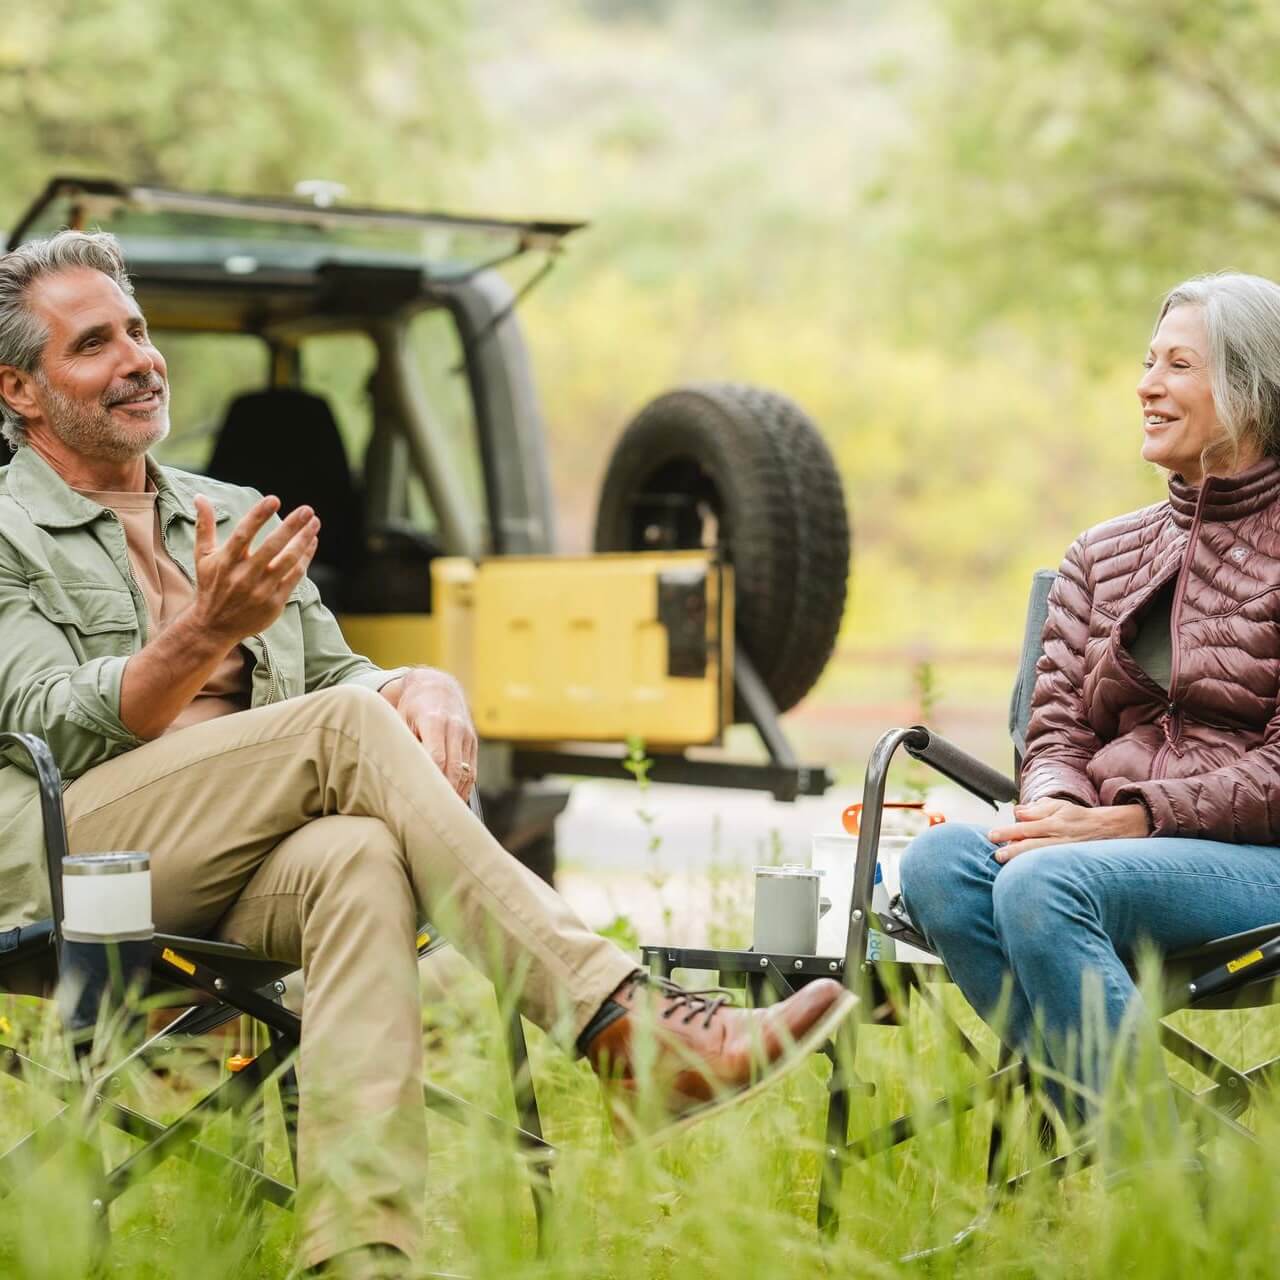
(318, 832)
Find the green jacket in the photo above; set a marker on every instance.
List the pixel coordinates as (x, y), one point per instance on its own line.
(71, 614)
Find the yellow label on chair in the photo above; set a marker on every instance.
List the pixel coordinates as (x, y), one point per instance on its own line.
(424, 939)
(1233, 966)
(178, 962)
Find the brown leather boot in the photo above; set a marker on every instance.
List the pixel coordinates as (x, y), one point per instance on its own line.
(703, 1051)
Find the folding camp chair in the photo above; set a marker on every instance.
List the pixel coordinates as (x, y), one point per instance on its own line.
(1228, 973)
(213, 983)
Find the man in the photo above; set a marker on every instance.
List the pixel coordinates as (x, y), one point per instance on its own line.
(295, 798)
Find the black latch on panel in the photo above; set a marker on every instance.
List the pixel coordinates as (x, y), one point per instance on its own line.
(682, 609)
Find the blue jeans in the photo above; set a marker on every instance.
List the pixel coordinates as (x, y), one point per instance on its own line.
(1026, 940)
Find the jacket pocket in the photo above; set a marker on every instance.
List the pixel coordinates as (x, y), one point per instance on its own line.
(92, 608)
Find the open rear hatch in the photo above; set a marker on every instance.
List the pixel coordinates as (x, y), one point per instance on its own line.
(251, 260)
(235, 232)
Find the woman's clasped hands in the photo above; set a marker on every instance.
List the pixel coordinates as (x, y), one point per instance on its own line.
(1054, 821)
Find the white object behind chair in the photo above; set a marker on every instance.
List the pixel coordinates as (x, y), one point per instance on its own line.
(835, 854)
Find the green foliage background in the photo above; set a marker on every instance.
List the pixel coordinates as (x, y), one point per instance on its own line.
(943, 226)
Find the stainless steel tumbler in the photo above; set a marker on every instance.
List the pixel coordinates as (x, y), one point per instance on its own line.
(788, 906)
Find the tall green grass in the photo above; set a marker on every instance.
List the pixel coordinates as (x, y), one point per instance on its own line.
(735, 1197)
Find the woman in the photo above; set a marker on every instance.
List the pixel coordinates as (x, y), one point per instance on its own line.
(1150, 791)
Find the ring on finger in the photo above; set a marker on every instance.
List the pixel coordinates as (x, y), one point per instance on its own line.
(465, 769)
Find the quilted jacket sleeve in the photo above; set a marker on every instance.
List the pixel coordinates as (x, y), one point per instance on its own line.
(1238, 803)
(1060, 741)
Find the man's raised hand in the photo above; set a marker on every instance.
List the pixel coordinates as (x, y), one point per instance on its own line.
(240, 592)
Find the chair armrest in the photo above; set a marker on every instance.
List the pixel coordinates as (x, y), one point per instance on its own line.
(1260, 961)
(939, 754)
(54, 819)
(963, 769)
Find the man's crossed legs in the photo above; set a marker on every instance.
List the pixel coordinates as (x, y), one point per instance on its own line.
(317, 832)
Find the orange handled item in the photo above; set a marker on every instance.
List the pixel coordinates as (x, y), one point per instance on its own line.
(852, 816)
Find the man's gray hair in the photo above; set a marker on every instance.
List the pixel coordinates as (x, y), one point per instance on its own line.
(1242, 319)
(22, 336)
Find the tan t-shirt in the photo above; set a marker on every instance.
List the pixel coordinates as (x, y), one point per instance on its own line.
(167, 591)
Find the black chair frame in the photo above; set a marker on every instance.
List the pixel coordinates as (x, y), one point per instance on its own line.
(217, 982)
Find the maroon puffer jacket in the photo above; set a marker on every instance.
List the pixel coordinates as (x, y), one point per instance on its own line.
(1204, 759)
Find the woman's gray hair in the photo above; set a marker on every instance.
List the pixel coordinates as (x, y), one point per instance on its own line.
(22, 336)
(1242, 320)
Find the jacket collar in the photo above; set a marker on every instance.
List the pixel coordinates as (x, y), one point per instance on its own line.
(47, 498)
(1226, 497)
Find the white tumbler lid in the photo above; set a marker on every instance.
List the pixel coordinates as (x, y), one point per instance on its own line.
(795, 870)
(105, 864)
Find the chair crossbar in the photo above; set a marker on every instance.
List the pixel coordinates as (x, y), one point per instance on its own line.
(125, 1119)
(939, 1112)
(1200, 1106)
(459, 1109)
(1261, 1078)
(31, 1151)
(234, 1094)
(934, 1001)
(1056, 1166)
(1206, 1063)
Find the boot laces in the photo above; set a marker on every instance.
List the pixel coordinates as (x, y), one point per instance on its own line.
(705, 1001)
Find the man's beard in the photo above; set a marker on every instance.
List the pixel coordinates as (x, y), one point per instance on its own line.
(92, 431)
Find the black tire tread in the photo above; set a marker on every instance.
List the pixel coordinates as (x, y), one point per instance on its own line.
(783, 517)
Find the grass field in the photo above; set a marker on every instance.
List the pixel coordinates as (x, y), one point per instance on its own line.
(733, 1198)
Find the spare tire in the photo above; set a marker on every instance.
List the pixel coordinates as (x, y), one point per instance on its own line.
(734, 466)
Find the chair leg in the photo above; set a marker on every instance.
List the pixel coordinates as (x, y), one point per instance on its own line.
(526, 1099)
(101, 1204)
(288, 1086)
(835, 1141)
(843, 1083)
(249, 1126)
(997, 1157)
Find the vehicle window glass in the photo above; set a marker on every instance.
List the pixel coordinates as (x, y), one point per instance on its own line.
(437, 351)
(419, 511)
(206, 372)
(338, 366)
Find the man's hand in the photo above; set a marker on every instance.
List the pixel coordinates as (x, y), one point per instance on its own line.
(1050, 821)
(241, 592)
(433, 706)
(237, 594)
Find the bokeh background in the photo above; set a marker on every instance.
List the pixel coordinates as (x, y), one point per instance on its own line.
(942, 226)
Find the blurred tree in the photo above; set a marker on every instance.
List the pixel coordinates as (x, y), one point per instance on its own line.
(245, 97)
(1076, 160)
(628, 10)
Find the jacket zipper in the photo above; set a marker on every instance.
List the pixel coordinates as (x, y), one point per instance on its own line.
(268, 666)
(1171, 721)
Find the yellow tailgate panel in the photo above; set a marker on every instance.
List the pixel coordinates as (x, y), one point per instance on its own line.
(600, 647)
(392, 639)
